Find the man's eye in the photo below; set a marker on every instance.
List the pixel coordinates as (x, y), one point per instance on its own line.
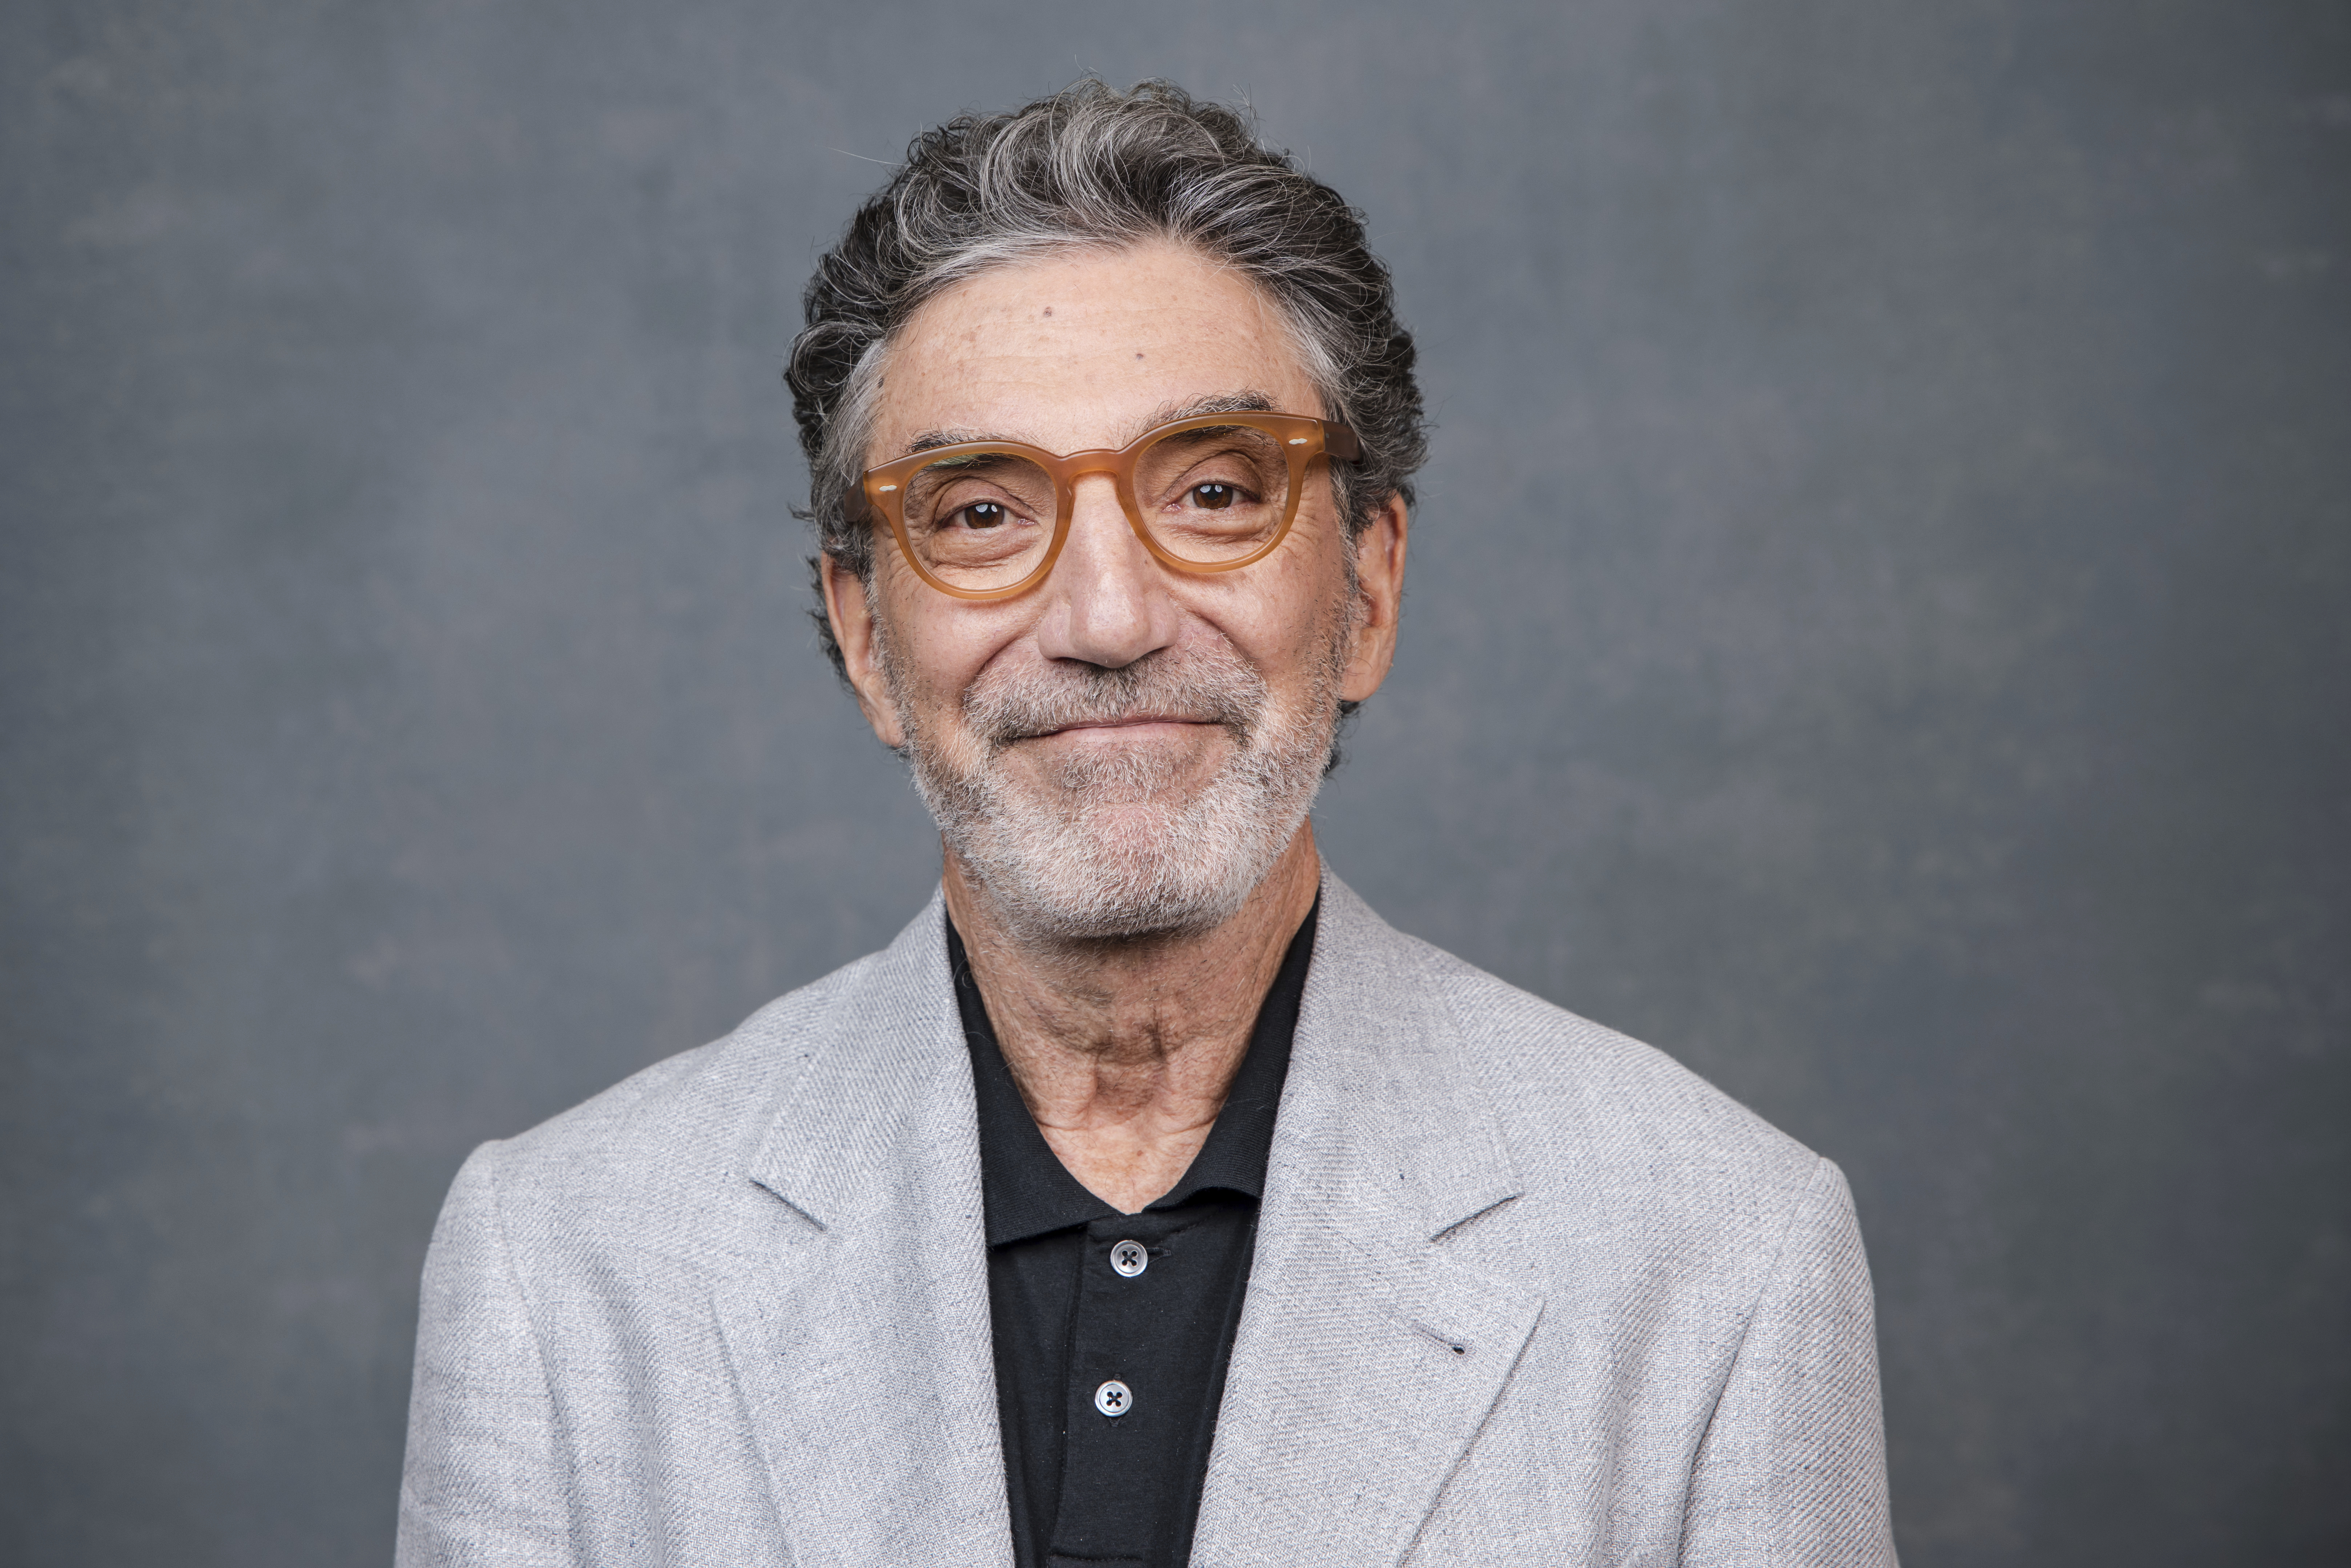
(982, 515)
(1214, 497)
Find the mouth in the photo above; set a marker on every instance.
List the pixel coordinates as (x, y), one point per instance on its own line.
(1130, 726)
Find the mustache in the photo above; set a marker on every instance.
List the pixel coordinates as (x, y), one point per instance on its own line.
(1209, 686)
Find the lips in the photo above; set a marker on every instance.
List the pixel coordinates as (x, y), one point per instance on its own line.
(1134, 722)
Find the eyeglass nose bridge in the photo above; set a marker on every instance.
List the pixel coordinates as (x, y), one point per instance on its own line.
(1115, 466)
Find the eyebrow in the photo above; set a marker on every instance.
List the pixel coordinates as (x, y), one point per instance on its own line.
(1243, 401)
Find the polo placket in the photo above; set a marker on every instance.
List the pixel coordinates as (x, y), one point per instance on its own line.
(1113, 1331)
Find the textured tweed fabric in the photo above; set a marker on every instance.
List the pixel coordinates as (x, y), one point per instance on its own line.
(1525, 1292)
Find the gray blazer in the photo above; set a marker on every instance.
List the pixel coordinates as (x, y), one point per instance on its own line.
(1525, 1292)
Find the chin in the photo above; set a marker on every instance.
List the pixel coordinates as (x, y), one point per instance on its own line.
(1122, 871)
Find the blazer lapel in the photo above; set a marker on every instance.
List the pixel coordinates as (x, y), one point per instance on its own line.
(862, 1354)
(1366, 1360)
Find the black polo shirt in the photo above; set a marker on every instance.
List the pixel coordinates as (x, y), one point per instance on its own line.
(1113, 1331)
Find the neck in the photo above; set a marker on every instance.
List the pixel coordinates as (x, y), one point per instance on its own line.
(1125, 1050)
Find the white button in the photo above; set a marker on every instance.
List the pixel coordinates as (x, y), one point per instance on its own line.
(1113, 1398)
(1129, 1258)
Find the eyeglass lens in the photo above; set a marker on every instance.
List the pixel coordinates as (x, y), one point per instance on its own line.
(983, 520)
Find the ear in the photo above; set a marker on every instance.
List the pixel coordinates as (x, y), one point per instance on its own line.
(851, 610)
(1379, 599)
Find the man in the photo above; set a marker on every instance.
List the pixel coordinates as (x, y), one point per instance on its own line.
(1148, 1200)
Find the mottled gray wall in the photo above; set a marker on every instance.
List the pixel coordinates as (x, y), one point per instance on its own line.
(1877, 630)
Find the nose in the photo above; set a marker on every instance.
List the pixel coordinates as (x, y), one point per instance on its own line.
(1107, 602)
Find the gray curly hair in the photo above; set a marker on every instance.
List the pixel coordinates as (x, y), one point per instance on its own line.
(1093, 167)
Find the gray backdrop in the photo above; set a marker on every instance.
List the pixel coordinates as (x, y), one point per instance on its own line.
(1876, 630)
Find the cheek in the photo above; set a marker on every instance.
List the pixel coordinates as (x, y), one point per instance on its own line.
(1315, 595)
(1282, 624)
(938, 649)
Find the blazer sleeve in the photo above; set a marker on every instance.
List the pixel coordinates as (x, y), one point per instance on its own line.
(484, 1481)
(1792, 1466)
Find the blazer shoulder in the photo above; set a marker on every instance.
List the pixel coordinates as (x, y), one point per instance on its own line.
(1584, 1101)
(683, 1123)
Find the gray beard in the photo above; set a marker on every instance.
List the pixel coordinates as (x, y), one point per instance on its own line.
(1117, 845)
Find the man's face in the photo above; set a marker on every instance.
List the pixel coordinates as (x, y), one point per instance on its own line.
(1123, 748)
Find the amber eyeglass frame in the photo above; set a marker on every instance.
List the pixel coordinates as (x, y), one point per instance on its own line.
(1303, 439)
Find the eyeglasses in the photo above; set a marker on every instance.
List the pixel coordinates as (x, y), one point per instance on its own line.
(986, 520)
